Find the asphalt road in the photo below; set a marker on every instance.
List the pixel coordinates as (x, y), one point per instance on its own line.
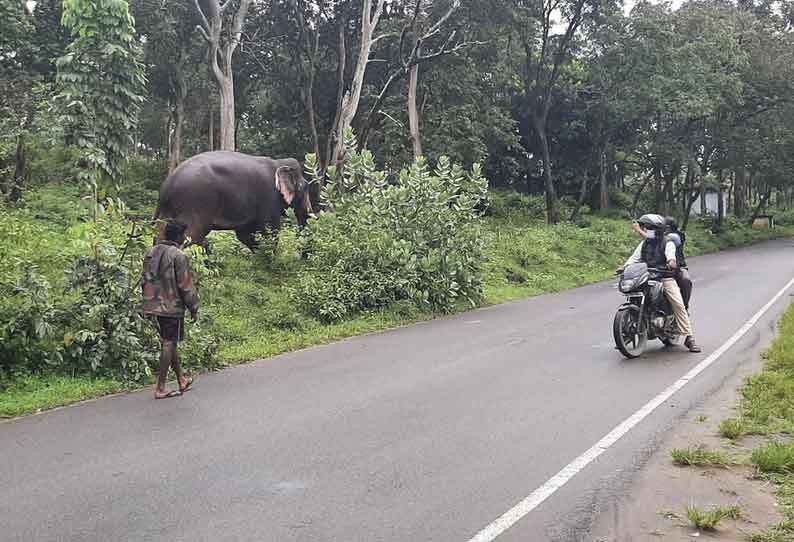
(428, 432)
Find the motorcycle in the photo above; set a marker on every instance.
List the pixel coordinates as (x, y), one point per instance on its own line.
(646, 314)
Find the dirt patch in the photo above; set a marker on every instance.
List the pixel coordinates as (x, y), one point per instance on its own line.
(654, 509)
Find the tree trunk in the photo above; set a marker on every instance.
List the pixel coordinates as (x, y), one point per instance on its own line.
(413, 112)
(176, 143)
(340, 93)
(739, 189)
(720, 201)
(657, 186)
(669, 199)
(351, 100)
(211, 129)
(227, 116)
(603, 201)
(15, 192)
(703, 207)
(637, 194)
(580, 201)
(552, 216)
(220, 59)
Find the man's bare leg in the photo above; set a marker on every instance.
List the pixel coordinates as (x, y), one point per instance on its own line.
(182, 379)
(167, 357)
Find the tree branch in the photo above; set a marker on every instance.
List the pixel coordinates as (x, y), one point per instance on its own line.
(204, 20)
(203, 33)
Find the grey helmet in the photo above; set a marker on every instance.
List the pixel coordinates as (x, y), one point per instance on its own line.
(653, 222)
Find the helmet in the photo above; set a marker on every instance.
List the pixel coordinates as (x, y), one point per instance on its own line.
(671, 223)
(651, 221)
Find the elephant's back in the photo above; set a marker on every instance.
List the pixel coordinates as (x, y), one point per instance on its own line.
(212, 175)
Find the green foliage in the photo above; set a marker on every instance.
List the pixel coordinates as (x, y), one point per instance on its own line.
(382, 243)
(111, 336)
(708, 520)
(27, 322)
(732, 428)
(509, 203)
(699, 456)
(774, 457)
(101, 80)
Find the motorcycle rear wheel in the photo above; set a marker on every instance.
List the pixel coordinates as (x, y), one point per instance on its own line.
(625, 329)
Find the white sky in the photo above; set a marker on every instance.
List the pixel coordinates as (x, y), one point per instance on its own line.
(628, 4)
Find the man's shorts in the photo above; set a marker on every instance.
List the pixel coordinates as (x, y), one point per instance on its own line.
(170, 328)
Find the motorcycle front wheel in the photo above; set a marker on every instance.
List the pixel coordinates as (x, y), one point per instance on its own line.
(626, 330)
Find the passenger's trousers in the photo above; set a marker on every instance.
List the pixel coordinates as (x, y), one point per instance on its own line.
(681, 316)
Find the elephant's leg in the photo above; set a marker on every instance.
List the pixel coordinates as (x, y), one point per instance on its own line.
(198, 235)
(248, 238)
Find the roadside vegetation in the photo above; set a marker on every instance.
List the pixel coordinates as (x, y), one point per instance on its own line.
(765, 410)
(66, 340)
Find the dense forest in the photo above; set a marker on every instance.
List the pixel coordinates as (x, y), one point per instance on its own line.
(439, 135)
(561, 98)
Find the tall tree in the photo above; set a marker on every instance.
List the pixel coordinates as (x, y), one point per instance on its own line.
(351, 99)
(221, 52)
(101, 79)
(545, 53)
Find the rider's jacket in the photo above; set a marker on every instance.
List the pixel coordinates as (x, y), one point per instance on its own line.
(652, 252)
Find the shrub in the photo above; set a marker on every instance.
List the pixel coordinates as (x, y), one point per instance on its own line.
(414, 239)
(507, 203)
(27, 322)
(111, 335)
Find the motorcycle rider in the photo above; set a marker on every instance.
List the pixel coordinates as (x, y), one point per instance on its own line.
(682, 273)
(659, 250)
(679, 239)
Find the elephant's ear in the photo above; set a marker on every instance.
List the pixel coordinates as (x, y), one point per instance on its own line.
(286, 183)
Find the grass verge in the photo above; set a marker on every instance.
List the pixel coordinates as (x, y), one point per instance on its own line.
(767, 408)
(700, 457)
(33, 393)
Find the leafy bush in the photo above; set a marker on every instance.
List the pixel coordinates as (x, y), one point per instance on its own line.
(414, 239)
(784, 218)
(111, 335)
(27, 323)
(508, 203)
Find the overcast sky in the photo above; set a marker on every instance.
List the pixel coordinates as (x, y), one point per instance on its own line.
(628, 4)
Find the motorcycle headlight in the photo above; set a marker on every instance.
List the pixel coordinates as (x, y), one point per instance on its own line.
(627, 285)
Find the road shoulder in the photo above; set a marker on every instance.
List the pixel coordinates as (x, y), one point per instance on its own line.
(654, 506)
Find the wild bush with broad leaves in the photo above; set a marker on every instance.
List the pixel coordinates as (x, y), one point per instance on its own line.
(382, 241)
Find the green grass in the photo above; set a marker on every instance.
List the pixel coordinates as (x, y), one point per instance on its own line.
(708, 520)
(780, 532)
(248, 305)
(732, 428)
(774, 457)
(30, 394)
(766, 408)
(699, 456)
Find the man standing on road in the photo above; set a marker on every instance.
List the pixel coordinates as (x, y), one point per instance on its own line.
(657, 250)
(168, 290)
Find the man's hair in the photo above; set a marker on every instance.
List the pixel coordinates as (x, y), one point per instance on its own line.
(174, 231)
(671, 223)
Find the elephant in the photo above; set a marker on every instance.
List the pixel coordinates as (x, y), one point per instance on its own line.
(226, 190)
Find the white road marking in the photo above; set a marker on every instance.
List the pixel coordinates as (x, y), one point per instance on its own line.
(534, 499)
